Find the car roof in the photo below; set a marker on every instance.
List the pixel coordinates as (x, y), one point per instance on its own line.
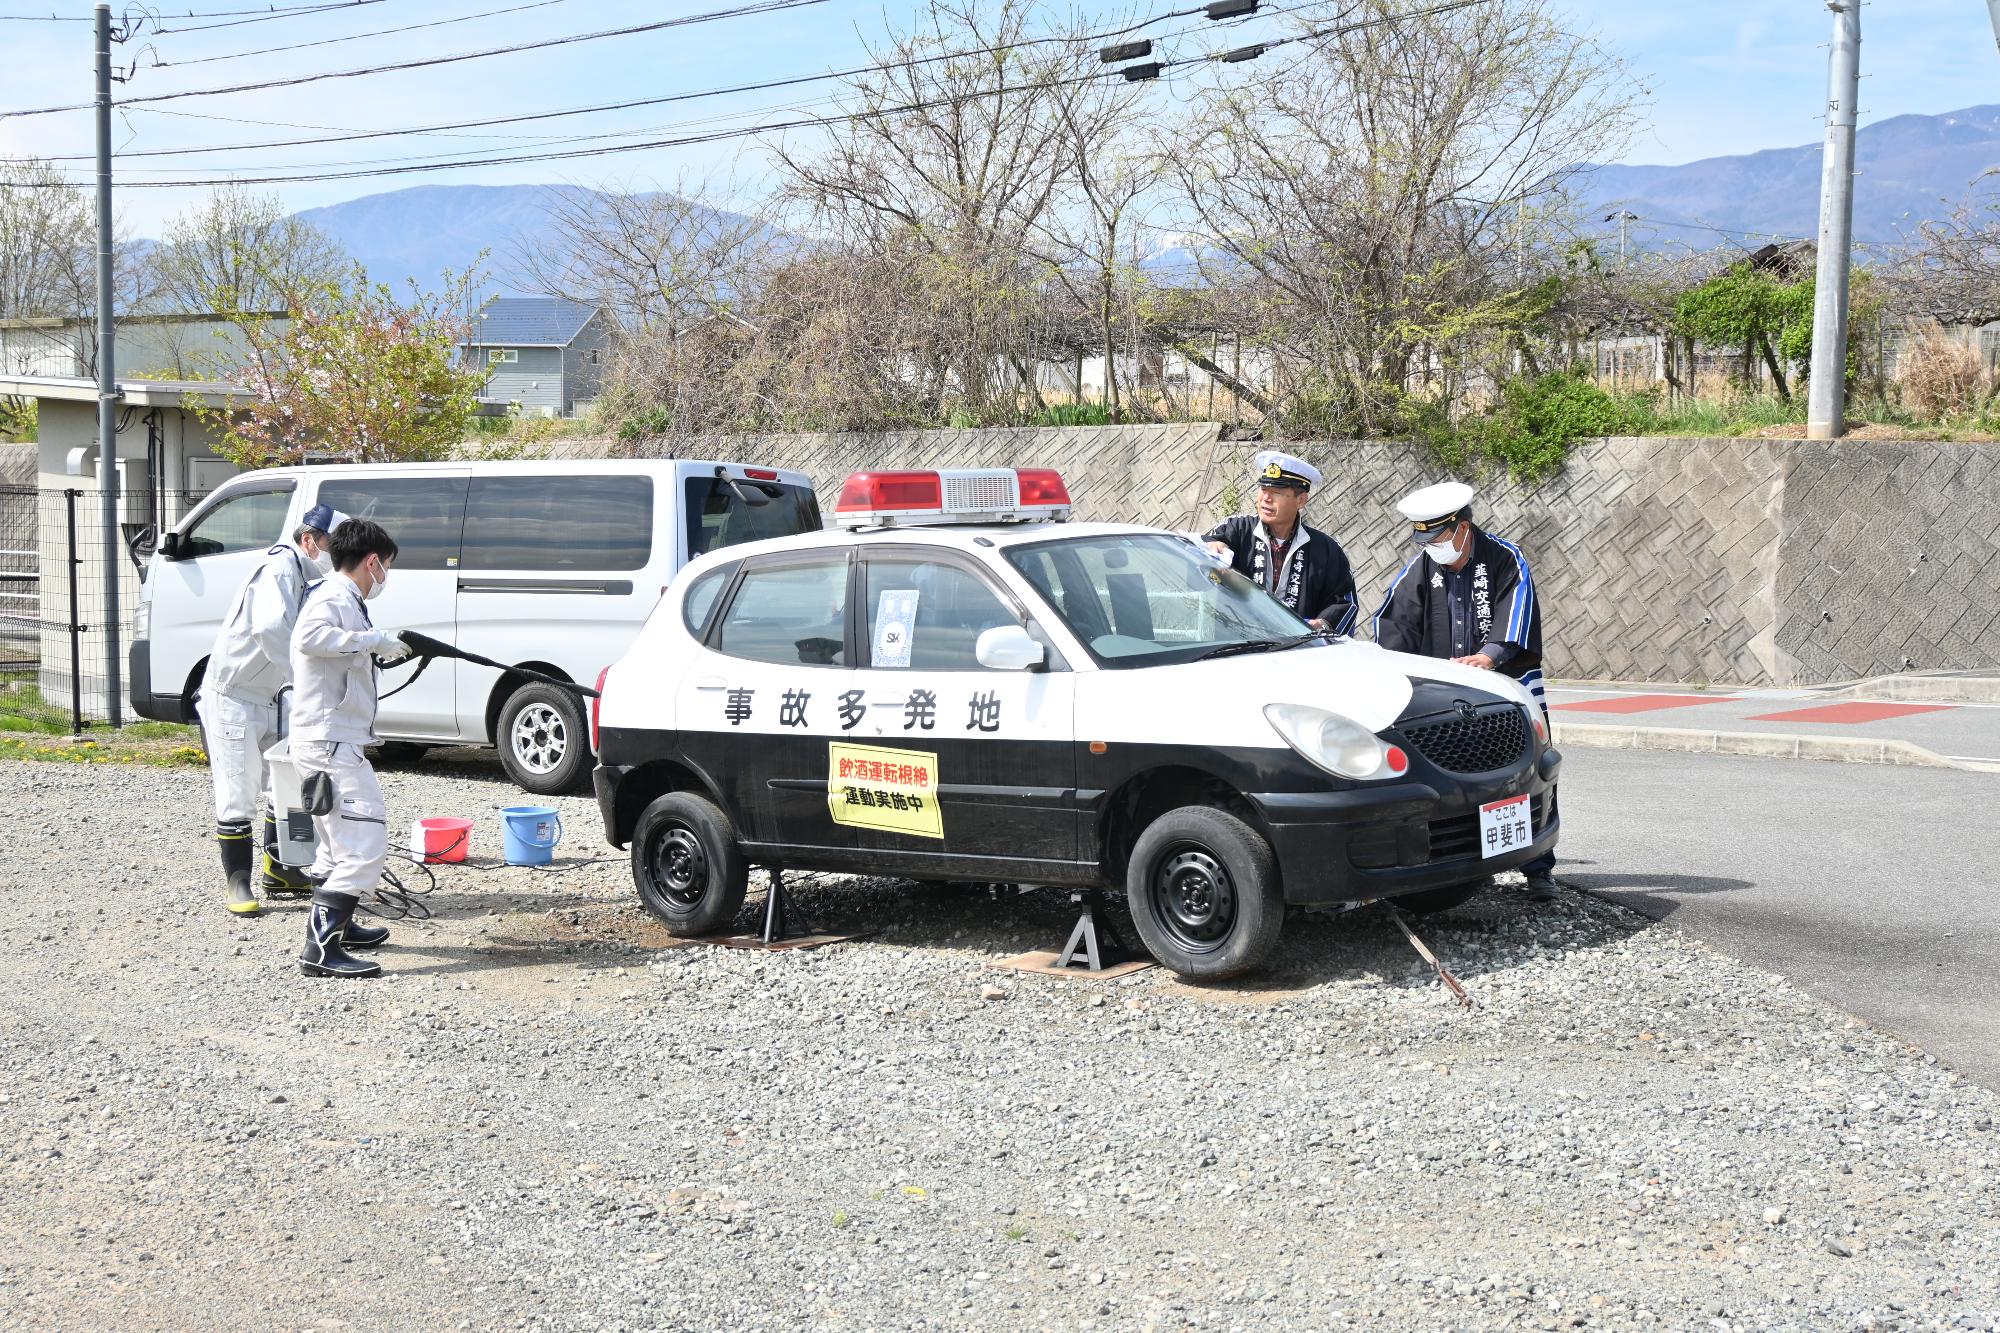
(952, 536)
(524, 466)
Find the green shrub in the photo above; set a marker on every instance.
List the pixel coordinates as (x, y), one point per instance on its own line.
(1529, 432)
(1072, 414)
(646, 423)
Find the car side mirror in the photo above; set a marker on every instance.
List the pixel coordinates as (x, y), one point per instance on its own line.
(170, 545)
(1009, 648)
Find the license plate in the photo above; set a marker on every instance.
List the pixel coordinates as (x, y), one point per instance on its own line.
(1505, 826)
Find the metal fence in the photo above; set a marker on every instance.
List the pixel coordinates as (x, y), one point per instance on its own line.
(55, 607)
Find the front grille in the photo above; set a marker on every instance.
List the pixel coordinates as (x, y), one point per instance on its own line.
(1495, 736)
(1459, 836)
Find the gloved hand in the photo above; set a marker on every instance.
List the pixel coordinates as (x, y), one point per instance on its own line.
(392, 648)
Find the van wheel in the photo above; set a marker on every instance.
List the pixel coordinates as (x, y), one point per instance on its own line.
(543, 743)
(685, 861)
(1432, 901)
(1203, 889)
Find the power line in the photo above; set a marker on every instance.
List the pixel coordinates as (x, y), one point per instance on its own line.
(763, 86)
(739, 11)
(270, 12)
(806, 122)
(356, 37)
(261, 16)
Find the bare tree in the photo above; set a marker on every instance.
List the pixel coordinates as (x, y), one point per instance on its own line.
(239, 253)
(1377, 181)
(656, 257)
(48, 255)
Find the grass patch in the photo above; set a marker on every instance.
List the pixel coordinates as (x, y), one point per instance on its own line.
(34, 729)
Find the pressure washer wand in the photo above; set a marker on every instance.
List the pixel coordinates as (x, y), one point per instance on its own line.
(423, 648)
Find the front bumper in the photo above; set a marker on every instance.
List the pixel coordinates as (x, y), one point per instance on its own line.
(139, 688)
(1389, 839)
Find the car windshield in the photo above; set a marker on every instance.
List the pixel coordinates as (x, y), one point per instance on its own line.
(1150, 599)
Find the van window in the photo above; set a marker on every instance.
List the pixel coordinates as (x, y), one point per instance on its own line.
(244, 521)
(717, 516)
(556, 522)
(794, 614)
(423, 514)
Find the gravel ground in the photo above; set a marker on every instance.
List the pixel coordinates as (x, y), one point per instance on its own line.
(551, 1117)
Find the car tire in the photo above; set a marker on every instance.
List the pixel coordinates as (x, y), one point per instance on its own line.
(1203, 890)
(1432, 901)
(544, 741)
(689, 871)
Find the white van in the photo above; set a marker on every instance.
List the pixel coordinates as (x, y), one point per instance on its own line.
(549, 566)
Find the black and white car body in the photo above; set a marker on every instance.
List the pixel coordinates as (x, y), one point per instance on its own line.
(958, 685)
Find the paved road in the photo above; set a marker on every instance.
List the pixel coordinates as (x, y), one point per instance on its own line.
(1875, 888)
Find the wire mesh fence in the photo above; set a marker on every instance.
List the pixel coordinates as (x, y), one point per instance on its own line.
(61, 619)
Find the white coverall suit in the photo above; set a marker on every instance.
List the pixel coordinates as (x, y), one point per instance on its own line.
(250, 662)
(333, 717)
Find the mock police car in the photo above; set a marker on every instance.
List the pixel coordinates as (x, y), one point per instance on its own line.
(957, 684)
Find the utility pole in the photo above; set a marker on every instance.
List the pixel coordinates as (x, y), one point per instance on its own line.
(107, 379)
(1827, 405)
(1625, 215)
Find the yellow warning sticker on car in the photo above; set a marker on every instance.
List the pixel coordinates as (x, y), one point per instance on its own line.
(872, 786)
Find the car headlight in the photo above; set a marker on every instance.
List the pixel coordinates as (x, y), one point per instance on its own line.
(1335, 743)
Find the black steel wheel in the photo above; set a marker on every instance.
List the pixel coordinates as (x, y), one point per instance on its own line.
(1204, 893)
(685, 862)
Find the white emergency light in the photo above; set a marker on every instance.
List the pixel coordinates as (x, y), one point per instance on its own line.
(952, 495)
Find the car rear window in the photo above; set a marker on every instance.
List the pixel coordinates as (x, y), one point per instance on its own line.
(559, 523)
(719, 516)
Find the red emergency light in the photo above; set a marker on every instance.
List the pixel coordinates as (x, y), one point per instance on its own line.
(952, 495)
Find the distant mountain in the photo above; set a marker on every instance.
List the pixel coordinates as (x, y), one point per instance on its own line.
(1908, 169)
(422, 231)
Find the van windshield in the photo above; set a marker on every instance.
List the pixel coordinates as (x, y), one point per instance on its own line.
(718, 516)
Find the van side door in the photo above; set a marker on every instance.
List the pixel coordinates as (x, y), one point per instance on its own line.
(424, 512)
(219, 547)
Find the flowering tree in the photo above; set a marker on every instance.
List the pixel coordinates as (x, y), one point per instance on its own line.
(354, 375)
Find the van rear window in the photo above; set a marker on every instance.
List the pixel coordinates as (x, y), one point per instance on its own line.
(718, 516)
(556, 522)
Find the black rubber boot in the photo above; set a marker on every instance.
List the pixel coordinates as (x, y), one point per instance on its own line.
(360, 935)
(280, 880)
(325, 954)
(234, 844)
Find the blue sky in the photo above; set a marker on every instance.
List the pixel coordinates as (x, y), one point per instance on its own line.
(1726, 76)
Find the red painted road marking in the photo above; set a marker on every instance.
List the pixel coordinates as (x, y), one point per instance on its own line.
(1852, 712)
(1639, 703)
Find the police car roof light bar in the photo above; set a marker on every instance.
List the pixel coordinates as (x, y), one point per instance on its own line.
(952, 495)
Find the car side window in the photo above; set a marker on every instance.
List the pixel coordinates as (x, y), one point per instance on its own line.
(927, 615)
(792, 614)
(245, 521)
(700, 599)
(425, 515)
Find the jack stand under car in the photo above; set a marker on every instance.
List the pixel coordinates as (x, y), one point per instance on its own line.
(785, 927)
(1093, 945)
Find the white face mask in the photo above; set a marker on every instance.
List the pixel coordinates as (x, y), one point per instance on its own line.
(375, 589)
(1444, 552)
(323, 562)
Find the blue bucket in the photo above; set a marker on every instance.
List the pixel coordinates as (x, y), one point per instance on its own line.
(531, 833)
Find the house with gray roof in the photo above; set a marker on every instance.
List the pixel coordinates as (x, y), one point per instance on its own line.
(544, 355)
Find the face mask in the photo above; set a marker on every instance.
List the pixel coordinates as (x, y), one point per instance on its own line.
(1444, 552)
(323, 562)
(381, 582)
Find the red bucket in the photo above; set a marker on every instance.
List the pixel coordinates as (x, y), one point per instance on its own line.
(441, 839)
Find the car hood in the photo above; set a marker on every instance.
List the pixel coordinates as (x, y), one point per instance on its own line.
(1221, 702)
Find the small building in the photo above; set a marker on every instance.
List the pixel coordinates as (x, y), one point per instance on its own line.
(166, 463)
(154, 347)
(544, 355)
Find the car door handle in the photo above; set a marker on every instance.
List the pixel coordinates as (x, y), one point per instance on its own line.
(711, 683)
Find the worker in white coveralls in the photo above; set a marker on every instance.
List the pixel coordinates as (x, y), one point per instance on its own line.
(238, 704)
(334, 653)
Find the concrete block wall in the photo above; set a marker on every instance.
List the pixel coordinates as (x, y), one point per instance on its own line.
(1775, 562)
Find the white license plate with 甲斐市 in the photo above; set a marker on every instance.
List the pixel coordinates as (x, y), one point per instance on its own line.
(1505, 826)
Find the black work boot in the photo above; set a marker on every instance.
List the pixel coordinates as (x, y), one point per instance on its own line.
(1541, 887)
(360, 935)
(280, 880)
(325, 954)
(234, 844)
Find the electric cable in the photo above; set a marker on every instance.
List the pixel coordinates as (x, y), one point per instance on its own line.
(755, 7)
(355, 37)
(762, 86)
(271, 12)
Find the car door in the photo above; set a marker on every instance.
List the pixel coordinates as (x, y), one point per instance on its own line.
(995, 748)
(550, 575)
(191, 594)
(758, 704)
(424, 512)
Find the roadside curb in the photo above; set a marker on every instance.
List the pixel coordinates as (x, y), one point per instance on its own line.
(1956, 688)
(1834, 749)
